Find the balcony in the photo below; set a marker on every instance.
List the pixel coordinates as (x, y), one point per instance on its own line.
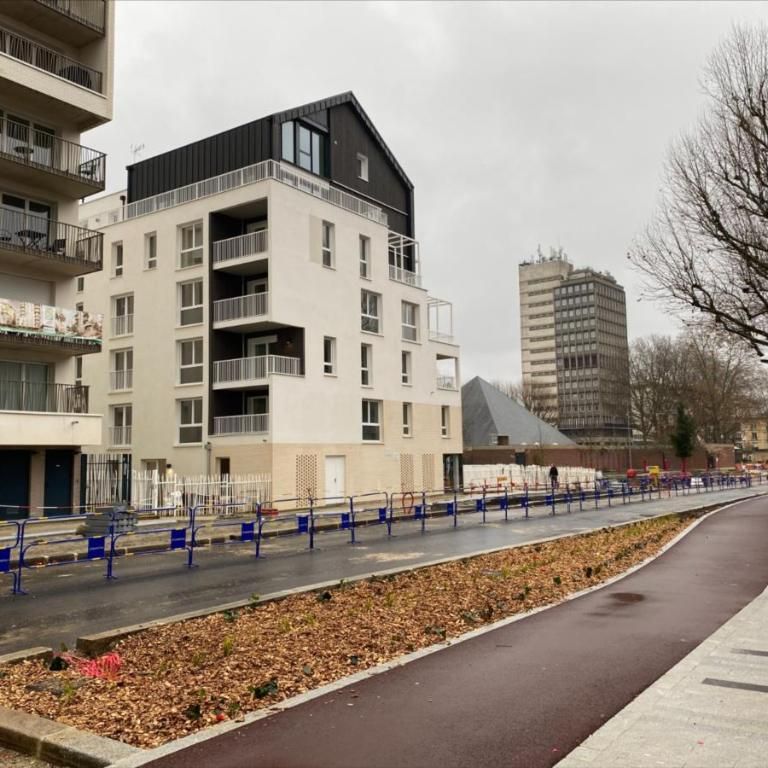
(245, 313)
(36, 55)
(232, 254)
(120, 437)
(404, 265)
(400, 275)
(43, 397)
(245, 424)
(122, 325)
(119, 380)
(56, 330)
(440, 320)
(47, 245)
(74, 21)
(32, 155)
(447, 382)
(244, 372)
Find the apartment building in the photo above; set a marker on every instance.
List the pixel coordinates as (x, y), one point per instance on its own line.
(266, 312)
(592, 357)
(538, 278)
(56, 62)
(752, 438)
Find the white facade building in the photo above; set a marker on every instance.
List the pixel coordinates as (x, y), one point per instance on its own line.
(56, 62)
(270, 317)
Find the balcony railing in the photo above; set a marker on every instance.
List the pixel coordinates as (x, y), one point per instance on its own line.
(267, 169)
(241, 307)
(446, 382)
(122, 325)
(254, 368)
(121, 379)
(240, 246)
(26, 145)
(119, 436)
(88, 12)
(401, 275)
(249, 423)
(48, 238)
(43, 397)
(36, 55)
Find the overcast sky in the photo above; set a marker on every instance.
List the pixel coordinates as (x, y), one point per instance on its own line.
(519, 124)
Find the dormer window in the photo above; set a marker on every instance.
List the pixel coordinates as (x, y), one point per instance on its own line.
(304, 146)
(362, 167)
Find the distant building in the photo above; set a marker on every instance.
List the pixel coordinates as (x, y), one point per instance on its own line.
(592, 357)
(538, 279)
(753, 440)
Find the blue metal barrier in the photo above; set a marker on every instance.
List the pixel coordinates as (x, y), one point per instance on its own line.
(9, 544)
(355, 511)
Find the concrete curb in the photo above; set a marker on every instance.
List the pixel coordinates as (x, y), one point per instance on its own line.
(28, 654)
(61, 744)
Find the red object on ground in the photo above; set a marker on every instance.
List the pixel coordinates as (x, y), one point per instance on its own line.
(631, 473)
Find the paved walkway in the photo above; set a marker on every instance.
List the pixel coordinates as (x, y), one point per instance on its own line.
(528, 693)
(70, 600)
(708, 711)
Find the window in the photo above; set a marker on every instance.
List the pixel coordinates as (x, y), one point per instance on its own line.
(121, 375)
(407, 419)
(191, 420)
(410, 320)
(362, 167)
(304, 146)
(117, 259)
(190, 361)
(445, 420)
(78, 370)
(365, 256)
(366, 365)
(191, 251)
(122, 422)
(122, 315)
(405, 367)
(24, 386)
(371, 423)
(369, 320)
(327, 247)
(79, 306)
(329, 355)
(191, 302)
(80, 284)
(150, 251)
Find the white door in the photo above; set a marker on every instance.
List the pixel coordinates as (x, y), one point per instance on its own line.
(334, 475)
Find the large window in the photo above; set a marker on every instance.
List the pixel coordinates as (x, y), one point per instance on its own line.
(327, 246)
(191, 245)
(190, 361)
(407, 420)
(405, 367)
(410, 321)
(365, 256)
(370, 319)
(304, 146)
(121, 375)
(329, 355)
(191, 302)
(122, 315)
(122, 424)
(24, 386)
(191, 420)
(372, 420)
(366, 365)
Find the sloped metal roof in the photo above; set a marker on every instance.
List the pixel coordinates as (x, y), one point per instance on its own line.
(488, 412)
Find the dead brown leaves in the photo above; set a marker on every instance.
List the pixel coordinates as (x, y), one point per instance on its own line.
(182, 677)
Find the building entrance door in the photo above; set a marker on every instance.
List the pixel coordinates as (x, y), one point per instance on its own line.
(58, 483)
(335, 469)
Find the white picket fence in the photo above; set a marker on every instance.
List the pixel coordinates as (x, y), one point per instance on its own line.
(173, 495)
(534, 476)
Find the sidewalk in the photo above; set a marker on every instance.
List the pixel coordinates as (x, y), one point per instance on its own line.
(709, 711)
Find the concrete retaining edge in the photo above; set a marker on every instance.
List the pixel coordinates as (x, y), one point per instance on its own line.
(28, 654)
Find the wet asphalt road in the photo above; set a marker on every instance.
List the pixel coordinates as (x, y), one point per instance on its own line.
(526, 694)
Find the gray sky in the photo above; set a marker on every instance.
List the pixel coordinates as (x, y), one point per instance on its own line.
(519, 124)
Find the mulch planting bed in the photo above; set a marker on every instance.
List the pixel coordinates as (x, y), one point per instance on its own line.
(169, 681)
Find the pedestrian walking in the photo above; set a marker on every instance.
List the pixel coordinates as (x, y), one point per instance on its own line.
(553, 474)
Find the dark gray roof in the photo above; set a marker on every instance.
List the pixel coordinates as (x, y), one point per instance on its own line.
(488, 412)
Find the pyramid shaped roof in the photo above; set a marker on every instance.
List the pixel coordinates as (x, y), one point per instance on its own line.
(488, 412)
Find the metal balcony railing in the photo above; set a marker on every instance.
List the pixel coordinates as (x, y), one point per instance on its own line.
(240, 246)
(122, 325)
(43, 397)
(119, 436)
(121, 379)
(88, 12)
(254, 368)
(32, 147)
(241, 307)
(37, 55)
(400, 275)
(247, 423)
(48, 238)
(446, 382)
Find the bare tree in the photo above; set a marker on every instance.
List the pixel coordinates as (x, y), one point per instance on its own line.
(708, 247)
(534, 397)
